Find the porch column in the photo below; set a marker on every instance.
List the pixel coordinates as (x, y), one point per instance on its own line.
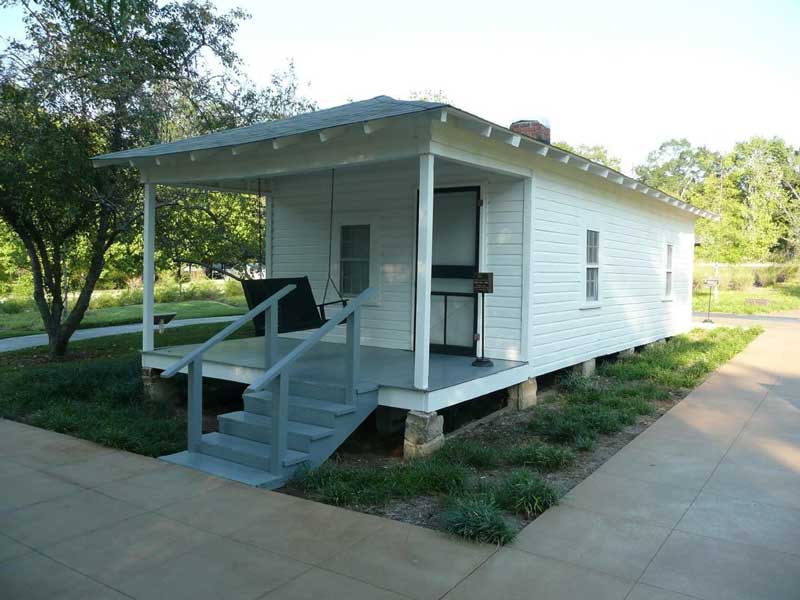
(422, 334)
(148, 269)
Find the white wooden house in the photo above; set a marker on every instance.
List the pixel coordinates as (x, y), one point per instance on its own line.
(402, 203)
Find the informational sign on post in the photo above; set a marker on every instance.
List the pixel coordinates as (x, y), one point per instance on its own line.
(483, 283)
(711, 283)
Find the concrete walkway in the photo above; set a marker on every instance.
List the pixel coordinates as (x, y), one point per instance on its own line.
(40, 339)
(704, 504)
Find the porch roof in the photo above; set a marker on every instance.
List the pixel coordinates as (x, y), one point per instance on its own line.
(380, 107)
(370, 114)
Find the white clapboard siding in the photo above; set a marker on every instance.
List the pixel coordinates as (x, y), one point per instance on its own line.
(300, 231)
(502, 242)
(634, 233)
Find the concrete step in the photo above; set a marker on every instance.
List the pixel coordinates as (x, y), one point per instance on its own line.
(256, 427)
(225, 468)
(246, 452)
(305, 410)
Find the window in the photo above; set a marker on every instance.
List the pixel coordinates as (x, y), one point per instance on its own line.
(354, 259)
(592, 265)
(668, 280)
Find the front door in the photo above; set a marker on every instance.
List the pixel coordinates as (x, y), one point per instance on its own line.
(455, 262)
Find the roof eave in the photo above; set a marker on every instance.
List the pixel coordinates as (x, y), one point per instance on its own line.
(566, 157)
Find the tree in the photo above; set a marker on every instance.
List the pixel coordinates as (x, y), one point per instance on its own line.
(47, 198)
(757, 166)
(218, 231)
(97, 78)
(789, 203)
(753, 192)
(677, 167)
(597, 153)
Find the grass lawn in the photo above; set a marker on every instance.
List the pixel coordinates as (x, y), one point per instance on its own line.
(29, 322)
(488, 485)
(95, 393)
(781, 296)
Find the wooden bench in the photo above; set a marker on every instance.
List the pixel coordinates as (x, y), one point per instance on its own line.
(161, 320)
(757, 301)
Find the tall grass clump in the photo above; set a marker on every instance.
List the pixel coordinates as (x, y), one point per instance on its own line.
(540, 456)
(525, 494)
(469, 454)
(478, 519)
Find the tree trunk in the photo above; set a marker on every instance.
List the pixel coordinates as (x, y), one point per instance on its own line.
(57, 343)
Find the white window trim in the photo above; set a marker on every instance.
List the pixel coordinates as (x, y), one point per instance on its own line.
(667, 268)
(359, 218)
(593, 225)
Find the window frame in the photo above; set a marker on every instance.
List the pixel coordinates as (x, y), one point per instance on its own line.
(361, 260)
(586, 302)
(669, 270)
(350, 219)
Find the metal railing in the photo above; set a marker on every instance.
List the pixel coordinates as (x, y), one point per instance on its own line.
(277, 375)
(194, 360)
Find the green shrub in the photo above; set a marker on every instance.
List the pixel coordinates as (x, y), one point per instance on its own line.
(478, 519)
(541, 456)
(232, 288)
(16, 305)
(526, 494)
(739, 278)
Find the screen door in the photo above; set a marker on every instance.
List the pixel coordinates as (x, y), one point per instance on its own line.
(455, 262)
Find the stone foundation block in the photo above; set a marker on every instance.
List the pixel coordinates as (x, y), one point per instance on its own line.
(523, 395)
(159, 390)
(424, 434)
(586, 368)
(627, 352)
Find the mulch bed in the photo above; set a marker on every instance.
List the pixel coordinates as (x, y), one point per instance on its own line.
(367, 448)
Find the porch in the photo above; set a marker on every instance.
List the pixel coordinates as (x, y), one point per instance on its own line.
(452, 379)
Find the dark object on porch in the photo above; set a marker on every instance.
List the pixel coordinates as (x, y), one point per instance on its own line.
(298, 311)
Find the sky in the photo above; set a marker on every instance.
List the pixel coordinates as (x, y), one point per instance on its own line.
(627, 74)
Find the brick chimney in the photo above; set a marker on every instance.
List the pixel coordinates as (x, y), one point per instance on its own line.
(532, 128)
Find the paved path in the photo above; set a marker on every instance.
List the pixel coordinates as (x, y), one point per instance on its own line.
(704, 504)
(792, 316)
(40, 339)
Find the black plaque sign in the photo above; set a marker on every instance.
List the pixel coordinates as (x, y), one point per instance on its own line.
(483, 283)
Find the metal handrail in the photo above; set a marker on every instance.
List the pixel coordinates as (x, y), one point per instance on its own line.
(221, 335)
(276, 369)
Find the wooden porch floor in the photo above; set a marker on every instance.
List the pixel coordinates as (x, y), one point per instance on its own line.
(242, 360)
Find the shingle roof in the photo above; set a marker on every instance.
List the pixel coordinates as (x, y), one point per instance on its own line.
(365, 110)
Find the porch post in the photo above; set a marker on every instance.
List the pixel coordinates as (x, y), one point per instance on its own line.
(148, 269)
(422, 334)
